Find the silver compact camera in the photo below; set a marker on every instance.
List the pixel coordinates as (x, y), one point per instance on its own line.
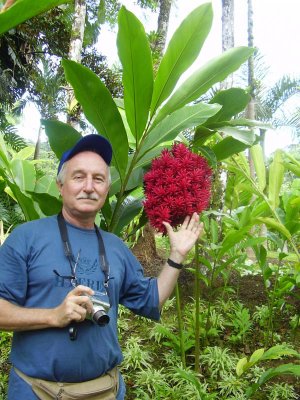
(101, 306)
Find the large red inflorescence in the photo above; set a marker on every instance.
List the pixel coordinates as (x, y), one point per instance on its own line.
(177, 184)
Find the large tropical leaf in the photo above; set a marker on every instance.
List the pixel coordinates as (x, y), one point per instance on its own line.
(204, 78)
(24, 174)
(26, 203)
(46, 184)
(182, 51)
(22, 10)
(172, 125)
(61, 136)
(48, 204)
(135, 56)
(100, 109)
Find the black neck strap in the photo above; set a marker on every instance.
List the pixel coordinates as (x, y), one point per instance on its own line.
(68, 250)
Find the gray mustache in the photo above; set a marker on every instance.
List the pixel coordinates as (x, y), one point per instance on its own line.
(88, 196)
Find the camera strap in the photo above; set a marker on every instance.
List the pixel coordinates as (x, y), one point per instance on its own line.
(69, 254)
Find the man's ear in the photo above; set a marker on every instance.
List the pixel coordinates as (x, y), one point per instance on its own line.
(59, 186)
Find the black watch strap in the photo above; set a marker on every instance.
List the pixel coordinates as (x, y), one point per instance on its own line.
(174, 264)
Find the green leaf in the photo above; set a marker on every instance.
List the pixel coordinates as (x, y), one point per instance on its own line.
(204, 78)
(4, 156)
(208, 153)
(232, 238)
(46, 184)
(259, 165)
(274, 224)
(23, 10)
(61, 136)
(24, 174)
(245, 136)
(136, 176)
(233, 102)
(135, 56)
(285, 369)
(201, 135)
(278, 351)
(256, 356)
(240, 367)
(276, 174)
(214, 231)
(100, 110)
(127, 213)
(173, 124)
(292, 167)
(182, 51)
(25, 202)
(25, 153)
(227, 147)
(48, 204)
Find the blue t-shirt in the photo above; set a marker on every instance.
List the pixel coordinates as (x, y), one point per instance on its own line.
(28, 259)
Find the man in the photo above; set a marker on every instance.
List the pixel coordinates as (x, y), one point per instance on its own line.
(50, 268)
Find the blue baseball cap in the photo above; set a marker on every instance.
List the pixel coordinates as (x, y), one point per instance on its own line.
(95, 143)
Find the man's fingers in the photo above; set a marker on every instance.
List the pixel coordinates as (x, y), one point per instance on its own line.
(81, 290)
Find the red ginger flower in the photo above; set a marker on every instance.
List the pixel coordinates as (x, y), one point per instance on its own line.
(178, 184)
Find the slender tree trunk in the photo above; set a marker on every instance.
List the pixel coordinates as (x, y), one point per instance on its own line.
(227, 34)
(163, 25)
(227, 24)
(75, 50)
(77, 33)
(38, 144)
(250, 113)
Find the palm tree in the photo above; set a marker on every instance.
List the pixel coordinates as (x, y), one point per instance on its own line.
(271, 104)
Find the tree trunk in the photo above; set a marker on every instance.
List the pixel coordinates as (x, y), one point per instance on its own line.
(75, 49)
(227, 34)
(38, 144)
(250, 113)
(77, 32)
(162, 25)
(227, 24)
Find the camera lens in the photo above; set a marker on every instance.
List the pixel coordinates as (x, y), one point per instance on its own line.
(101, 318)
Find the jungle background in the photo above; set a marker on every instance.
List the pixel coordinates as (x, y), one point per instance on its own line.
(231, 331)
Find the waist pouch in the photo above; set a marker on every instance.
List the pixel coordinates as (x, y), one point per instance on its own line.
(103, 388)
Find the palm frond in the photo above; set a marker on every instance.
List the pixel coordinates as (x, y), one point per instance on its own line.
(281, 92)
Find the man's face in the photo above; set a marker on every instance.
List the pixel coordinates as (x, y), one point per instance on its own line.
(86, 184)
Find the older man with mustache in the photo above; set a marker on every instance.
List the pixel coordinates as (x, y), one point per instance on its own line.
(62, 279)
